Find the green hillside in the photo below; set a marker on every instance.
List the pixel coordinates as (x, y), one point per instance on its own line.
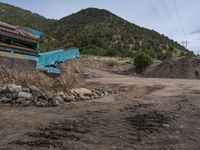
(17, 16)
(94, 31)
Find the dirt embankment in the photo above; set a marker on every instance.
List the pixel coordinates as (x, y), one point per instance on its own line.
(184, 68)
(43, 82)
(35, 88)
(72, 75)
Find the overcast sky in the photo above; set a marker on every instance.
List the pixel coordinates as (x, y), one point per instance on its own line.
(174, 18)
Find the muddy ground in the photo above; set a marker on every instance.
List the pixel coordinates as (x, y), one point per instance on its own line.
(143, 114)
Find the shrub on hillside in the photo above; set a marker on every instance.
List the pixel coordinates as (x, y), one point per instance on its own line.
(151, 53)
(163, 56)
(142, 61)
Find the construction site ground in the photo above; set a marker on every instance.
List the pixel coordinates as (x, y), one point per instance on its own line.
(143, 114)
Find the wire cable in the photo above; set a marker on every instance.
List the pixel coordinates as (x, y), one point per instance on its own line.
(169, 16)
(179, 17)
(156, 12)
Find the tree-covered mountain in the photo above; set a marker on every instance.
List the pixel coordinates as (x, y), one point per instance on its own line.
(17, 16)
(94, 31)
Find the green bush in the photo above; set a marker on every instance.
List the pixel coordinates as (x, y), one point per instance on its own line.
(163, 56)
(151, 53)
(142, 61)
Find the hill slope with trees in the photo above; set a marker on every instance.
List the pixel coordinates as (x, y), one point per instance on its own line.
(95, 31)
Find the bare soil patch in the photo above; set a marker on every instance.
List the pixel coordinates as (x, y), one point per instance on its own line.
(138, 113)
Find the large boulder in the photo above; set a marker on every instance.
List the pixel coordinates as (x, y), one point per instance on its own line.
(57, 101)
(67, 97)
(23, 102)
(5, 100)
(14, 88)
(82, 93)
(25, 95)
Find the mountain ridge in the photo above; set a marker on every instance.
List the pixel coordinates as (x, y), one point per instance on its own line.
(95, 31)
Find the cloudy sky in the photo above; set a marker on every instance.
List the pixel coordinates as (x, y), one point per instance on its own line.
(174, 18)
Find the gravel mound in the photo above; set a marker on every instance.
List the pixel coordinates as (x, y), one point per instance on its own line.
(183, 68)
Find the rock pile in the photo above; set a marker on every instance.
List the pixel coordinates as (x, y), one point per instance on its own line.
(32, 96)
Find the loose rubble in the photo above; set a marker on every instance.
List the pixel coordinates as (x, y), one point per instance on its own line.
(32, 96)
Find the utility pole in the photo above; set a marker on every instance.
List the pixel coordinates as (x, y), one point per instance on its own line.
(184, 43)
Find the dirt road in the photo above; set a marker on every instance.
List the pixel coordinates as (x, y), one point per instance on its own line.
(142, 113)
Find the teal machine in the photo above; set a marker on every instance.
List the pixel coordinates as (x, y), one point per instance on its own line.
(50, 61)
(18, 49)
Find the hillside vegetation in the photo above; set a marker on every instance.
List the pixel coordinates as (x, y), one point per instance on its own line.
(96, 32)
